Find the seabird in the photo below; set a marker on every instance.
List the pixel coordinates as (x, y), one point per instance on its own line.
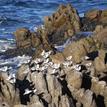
(86, 57)
(67, 63)
(69, 58)
(88, 64)
(27, 91)
(77, 67)
(43, 53)
(46, 61)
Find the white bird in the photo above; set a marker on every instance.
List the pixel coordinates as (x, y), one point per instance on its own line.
(88, 64)
(11, 78)
(27, 91)
(42, 68)
(69, 58)
(37, 67)
(54, 71)
(43, 53)
(50, 63)
(77, 67)
(46, 55)
(38, 60)
(56, 66)
(35, 90)
(67, 63)
(33, 68)
(86, 57)
(46, 61)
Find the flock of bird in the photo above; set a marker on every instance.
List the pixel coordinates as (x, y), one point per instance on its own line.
(45, 65)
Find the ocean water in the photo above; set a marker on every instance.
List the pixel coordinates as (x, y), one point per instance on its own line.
(30, 13)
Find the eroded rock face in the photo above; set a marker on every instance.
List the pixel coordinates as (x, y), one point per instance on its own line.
(22, 37)
(7, 90)
(93, 18)
(58, 58)
(101, 38)
(79, 49)
(62, 24)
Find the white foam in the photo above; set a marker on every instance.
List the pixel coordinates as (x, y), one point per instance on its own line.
(14, 63)
(5, 45)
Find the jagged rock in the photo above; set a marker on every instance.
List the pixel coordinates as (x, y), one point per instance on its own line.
(22, 37)
(7, 90)
(97, 15)
(22, 72)
(58, 58)
(41, 85)
(76, 50)
(101, 38)
(93, 14)
(35, 102)
(100, 60)
(35, 40)
(74, 79)
(20, 105)
(54, 88)
(98, 87)
(65, 101)
(98, 29)
(62, 24)
(39, 81)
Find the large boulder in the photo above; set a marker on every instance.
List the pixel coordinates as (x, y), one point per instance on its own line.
(98, 15)
(22, 36)
(62, 24)
(7, 90)
(57, 58)
(79, 49)
(101, 38)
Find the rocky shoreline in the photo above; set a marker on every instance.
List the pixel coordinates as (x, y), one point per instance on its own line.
(74, 77)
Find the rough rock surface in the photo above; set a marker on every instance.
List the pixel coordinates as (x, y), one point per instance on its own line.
(76, 77)
(93, 18)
